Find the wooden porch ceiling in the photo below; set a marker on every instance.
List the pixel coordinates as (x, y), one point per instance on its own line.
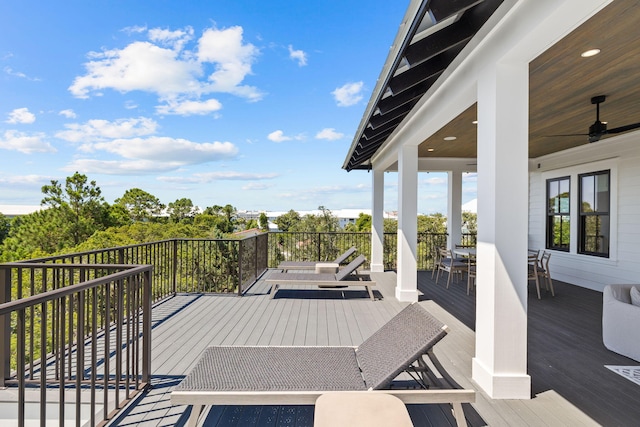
(561, 86)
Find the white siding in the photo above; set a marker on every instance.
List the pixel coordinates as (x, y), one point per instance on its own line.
(622, 156)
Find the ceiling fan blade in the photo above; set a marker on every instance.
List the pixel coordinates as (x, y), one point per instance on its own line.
(624, 128)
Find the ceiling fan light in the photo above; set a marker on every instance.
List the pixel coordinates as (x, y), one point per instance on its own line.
(590, 53)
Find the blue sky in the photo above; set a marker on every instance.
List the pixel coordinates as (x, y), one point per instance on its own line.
(247, 103)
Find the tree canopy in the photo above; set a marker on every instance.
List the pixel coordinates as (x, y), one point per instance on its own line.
(140, 205)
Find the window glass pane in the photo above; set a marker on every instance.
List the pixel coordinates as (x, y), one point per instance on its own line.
(587, 193)
(558, 209)
(602, 193)
(594, 229)
(596, 238)
(554, 203)
(564, 195)
(561, 231)
(558, 191)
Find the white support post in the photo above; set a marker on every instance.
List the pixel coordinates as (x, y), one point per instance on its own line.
(500, 365)
(454, 209)
(407, 288)
(377, 221)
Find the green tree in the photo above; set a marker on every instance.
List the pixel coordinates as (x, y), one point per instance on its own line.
(226, 214)
(263, 222)
(181, 210)
(140, 205)
(251, 224)
(470, 222)
(5, 225)
(325, 221)
(288, 221)
(79, 207)
(36, 234)
(390, 225)
(328, 222)
(435, 223)
(363, 223)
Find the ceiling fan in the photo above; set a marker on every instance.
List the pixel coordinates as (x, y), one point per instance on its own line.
(598, 128)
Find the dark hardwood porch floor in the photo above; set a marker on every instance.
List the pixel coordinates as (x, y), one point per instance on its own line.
(566, 356)
(566, 353)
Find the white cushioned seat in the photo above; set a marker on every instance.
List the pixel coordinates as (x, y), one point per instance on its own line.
(621, 321)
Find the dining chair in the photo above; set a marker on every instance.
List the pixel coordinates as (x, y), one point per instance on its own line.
(450, 265)
(532, 268)
(471, 272)
(436, 259)
(543, 270)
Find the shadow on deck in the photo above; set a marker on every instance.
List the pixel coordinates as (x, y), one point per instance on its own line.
(566, 355)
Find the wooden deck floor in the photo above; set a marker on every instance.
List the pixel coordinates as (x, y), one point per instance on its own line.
(566, 355)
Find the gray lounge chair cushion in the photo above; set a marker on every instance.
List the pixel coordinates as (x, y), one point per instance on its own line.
(318, 277)
(397, 344)
(275, 369)
(374, 364)
(311, 264)
(350, 268)
(342, 258)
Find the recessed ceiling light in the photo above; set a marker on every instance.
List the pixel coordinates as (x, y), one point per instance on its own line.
(475, 122)
(450, 138)
(429, 149)
(590, 52)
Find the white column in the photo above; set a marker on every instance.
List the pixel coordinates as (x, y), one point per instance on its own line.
(500, 365)
(407, 288)
(377, 221)
(454, 209)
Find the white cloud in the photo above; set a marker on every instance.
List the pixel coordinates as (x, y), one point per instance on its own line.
(176, 39)
(25, 143)
(323, 192)
(329, 134)
(21, 116)
(256, 186)
(69, 114)
(219, 62)
(169, 150)
(100, 130)
(25, 180)
(232, 60)
(139, 66)
(298, 55)
(120, 167)
(10, 71)
(278, 136)
(134, 29)
(348, 94)
(207, 177)
(189, 108)
(435, 181)
(470, 177)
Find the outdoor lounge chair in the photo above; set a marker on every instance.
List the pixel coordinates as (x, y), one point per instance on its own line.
(258, 375)
(348, 276)
(311, 265)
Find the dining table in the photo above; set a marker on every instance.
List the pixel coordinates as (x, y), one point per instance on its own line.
(464, 252)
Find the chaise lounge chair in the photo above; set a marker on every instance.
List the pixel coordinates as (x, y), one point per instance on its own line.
(348, 276)
(299, 375)
(311, 265)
